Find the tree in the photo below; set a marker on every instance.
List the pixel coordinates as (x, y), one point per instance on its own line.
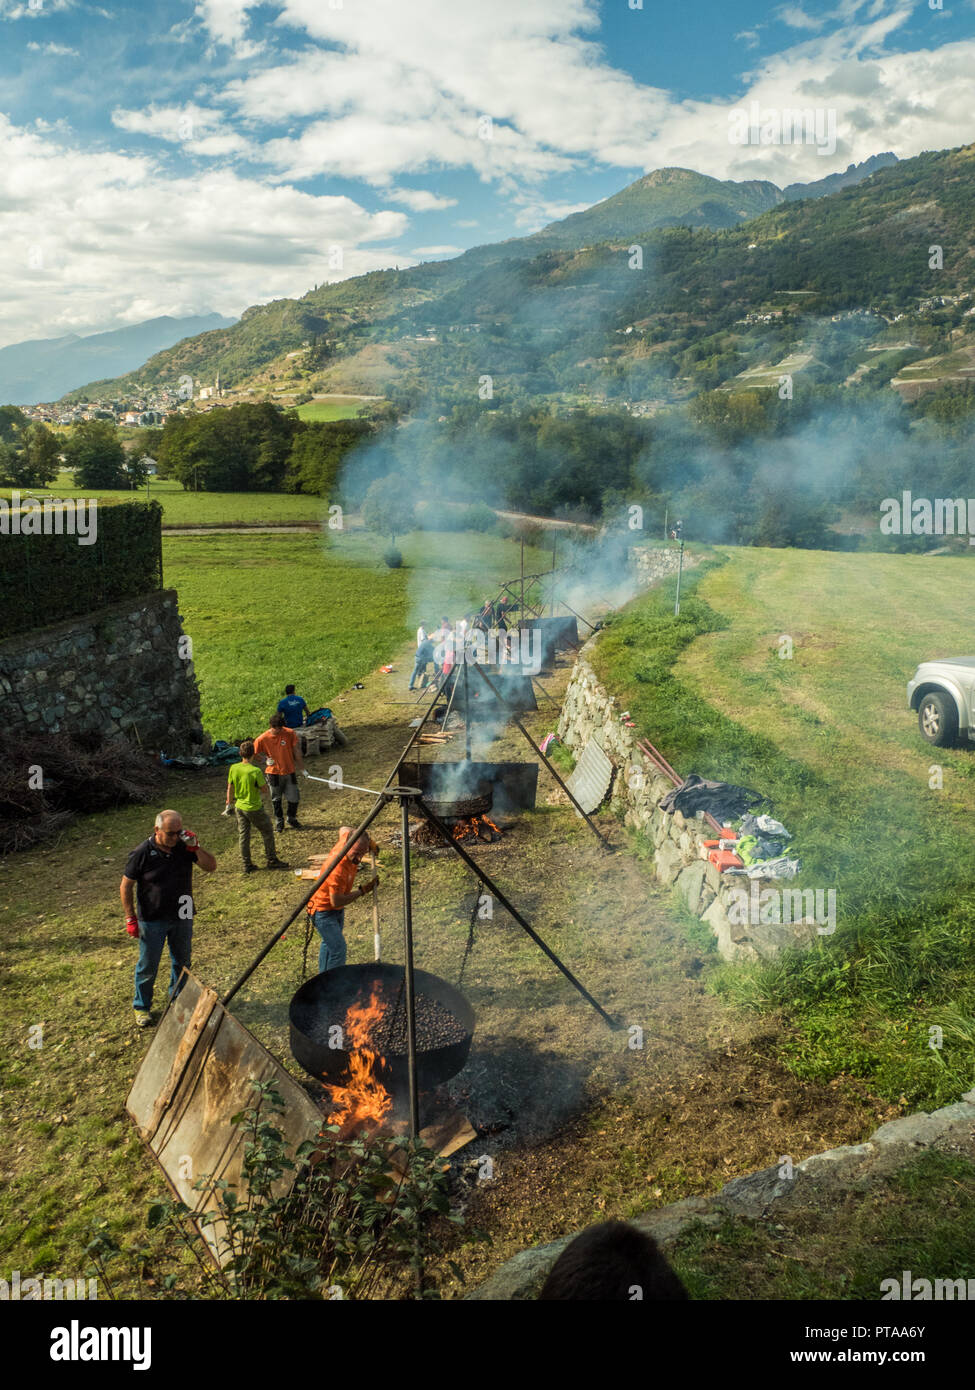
(317, 453)
(43, 451)
(96, 455)
(389, 506)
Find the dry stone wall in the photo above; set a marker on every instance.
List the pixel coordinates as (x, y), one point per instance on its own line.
(589, 711)
(651, 563)
(121, 670)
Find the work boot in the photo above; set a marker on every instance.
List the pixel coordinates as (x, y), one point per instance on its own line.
(279, 826)
(250, 868)
(143, 1018)
(277, 864)
(294, 823)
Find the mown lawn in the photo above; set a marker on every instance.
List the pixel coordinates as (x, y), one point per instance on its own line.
(317, 611)
(181, 508)
(825, 733)
(335, 408)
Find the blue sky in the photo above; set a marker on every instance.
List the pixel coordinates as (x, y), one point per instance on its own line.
(191, 154)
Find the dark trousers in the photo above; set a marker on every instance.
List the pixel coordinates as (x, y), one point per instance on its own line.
(153, 936)
(284, 784)
(261, 822)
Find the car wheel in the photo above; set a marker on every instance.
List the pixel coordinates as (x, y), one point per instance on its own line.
(937, 719)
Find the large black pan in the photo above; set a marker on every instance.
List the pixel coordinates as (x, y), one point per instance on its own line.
(324, 1000)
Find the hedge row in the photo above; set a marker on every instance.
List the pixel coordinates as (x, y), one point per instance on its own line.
(47, 578)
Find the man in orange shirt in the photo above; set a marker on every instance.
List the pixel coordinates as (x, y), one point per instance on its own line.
(326, 907)
(282, 749)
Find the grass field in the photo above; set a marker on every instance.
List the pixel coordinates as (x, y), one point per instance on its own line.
(318, 611)
(335, 408)
(827, 735)
(181, 508)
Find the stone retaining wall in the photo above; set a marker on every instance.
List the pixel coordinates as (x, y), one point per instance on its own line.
(589, 711)
(651, 563)
(116, 671)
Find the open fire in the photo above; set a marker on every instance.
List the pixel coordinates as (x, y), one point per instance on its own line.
(364, 1100)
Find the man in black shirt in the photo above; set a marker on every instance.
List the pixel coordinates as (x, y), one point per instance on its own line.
(161, 869)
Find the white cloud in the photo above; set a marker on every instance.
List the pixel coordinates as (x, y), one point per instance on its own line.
(402, 89)
(17, 9)
(87, 235)
(198, 129)
(418, 199)
(796, 18)
(225, 20)
(54, 49)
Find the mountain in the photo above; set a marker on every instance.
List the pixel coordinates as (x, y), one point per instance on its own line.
(854, 174)
(713, 253)
(665, 198)
(44, 369)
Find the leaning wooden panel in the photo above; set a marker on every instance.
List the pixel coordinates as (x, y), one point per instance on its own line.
(194, 1078)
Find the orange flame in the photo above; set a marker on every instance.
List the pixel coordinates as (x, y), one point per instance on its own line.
(464, 828)
(364, 1100)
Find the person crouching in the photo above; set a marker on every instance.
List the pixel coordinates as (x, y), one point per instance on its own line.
(326, 907)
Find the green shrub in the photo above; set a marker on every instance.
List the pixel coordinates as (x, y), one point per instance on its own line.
(393, 559)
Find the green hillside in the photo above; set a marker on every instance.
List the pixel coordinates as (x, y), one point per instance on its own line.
(575, 275)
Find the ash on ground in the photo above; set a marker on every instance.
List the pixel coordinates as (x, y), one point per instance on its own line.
(515, 1094)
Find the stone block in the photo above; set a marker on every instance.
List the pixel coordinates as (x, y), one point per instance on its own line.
(668, 862)
(689, 884)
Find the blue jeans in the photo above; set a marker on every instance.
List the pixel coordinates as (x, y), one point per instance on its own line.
(332, 952)
(153, 936)
(419, 669)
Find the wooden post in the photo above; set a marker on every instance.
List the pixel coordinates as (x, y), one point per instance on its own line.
(376, 939)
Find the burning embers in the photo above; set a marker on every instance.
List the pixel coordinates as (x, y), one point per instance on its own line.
(465, 830)
(476, 828)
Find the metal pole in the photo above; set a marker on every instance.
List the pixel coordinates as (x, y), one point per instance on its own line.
(539, 754)
(467, 710)
(404, 801)
(326, 870)
(680, 571)
(509, 907)
(522, 578)
(555, 541)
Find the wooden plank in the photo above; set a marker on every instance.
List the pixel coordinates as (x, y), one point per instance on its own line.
(198, 1021)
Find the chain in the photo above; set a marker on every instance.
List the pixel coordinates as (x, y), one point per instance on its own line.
(470, 932)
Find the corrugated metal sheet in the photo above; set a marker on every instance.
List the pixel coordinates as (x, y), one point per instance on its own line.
(195, 1076)
(590, 781)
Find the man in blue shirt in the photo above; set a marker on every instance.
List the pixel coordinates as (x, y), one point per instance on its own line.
(293, 708)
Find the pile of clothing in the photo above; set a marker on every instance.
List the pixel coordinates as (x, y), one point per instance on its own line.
(758, 848)
(762, 848)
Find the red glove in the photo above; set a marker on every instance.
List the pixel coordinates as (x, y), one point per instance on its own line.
(132, 926)
(189, 838)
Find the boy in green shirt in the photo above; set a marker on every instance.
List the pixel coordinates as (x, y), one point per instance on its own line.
(246, 784)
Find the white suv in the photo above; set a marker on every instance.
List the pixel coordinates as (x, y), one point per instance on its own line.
(943, 693)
